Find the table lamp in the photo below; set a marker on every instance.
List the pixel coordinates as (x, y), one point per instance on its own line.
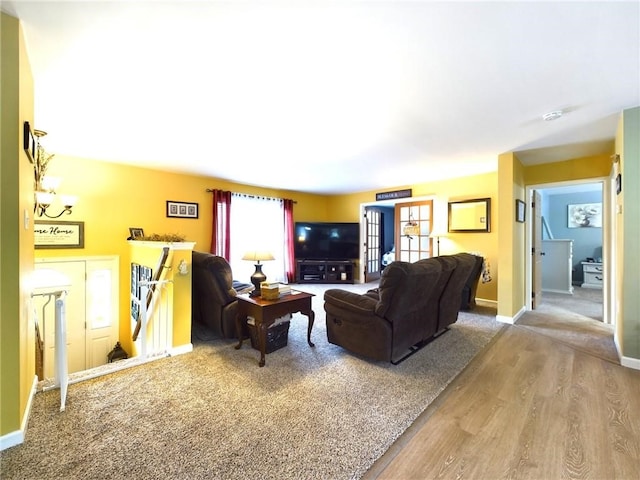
(257, 277)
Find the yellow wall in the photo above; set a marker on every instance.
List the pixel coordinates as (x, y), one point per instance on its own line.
(346, 208)
(114, 197)
(575, 169)
(17, 350)
(511, 294)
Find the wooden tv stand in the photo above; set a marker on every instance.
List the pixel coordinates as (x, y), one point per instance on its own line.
(325, 271)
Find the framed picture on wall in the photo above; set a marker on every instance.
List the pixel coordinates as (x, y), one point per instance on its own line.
(58, 234)
(584, 215)
(182, 209)
(520, 211)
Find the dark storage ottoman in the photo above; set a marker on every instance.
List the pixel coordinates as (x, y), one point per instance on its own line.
(277, 336)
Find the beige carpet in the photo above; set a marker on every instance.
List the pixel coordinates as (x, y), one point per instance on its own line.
(312, 413)
(575, 320)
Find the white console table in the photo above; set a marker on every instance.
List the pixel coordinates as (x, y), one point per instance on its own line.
(593, 275)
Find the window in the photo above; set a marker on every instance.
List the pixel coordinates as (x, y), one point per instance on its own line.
(257, 223)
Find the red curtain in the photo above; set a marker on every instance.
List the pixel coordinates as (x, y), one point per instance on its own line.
(220, 237)
(289, 256)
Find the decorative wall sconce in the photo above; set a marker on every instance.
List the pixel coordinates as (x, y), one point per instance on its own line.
(183, 268)
(45, 185)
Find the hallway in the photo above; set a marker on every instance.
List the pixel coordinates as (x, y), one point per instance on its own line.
(575, 320)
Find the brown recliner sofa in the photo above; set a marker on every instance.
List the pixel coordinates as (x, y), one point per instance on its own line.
(387, 324)
(368, 324)
(449, 300)
(471, 285)
(214, 303)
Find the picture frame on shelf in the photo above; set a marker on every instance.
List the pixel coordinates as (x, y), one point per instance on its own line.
(136, 233)
(182, 209)
(520, 211)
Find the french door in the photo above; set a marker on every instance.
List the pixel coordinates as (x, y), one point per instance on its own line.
(373, 243)
(413, 223)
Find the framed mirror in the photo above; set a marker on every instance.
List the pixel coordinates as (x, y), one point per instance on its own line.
(470, 215)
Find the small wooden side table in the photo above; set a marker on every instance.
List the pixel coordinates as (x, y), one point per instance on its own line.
(265, 312)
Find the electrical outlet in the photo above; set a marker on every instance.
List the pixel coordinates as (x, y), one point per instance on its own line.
(26, 219)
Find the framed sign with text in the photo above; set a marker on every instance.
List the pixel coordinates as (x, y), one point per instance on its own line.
(56, 234)
(393, 195)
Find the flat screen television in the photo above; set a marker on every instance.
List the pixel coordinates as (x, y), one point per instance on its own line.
(327, 241)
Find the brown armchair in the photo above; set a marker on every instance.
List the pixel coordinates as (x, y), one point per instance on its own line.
(214, 302)
(387, 324)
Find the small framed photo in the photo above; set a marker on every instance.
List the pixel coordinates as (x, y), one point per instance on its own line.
(520, 211)
(29, 142)
(182, 209)
(136, 233)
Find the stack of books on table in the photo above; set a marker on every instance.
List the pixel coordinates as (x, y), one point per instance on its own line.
(284, 289)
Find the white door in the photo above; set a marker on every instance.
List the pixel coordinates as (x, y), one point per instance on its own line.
(537, 251)
(91, 312)
(74, 318)
(101, 311)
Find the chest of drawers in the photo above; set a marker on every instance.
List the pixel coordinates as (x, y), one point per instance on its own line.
(593, 275)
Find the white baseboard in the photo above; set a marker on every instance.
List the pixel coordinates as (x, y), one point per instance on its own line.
(16, 438)
(511, 320)
(181, 349)
(630, 362)
(483, 302)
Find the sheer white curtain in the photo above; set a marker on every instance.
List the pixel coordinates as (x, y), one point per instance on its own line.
(257, 223)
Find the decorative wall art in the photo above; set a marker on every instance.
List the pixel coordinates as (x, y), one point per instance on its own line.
(470, 215)
(54, 234)
(29, 142)
(182, 209)
(585, 215)
(520, 211)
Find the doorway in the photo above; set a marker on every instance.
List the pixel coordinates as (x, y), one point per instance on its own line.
(91, 313)
(385, 237)
(563, 244)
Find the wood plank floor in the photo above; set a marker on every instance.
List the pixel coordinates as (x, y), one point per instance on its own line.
(528, 407)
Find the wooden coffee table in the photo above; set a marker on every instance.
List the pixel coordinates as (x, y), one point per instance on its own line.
(265, 313)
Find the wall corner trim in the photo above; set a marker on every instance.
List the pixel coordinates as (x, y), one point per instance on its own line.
(17, 437)
(511, 320)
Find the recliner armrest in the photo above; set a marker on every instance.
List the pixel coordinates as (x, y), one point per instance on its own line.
(350, 301)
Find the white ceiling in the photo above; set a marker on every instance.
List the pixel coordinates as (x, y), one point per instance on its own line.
(330, 97)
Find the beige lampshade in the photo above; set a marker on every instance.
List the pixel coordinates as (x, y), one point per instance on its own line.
(258, 256)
